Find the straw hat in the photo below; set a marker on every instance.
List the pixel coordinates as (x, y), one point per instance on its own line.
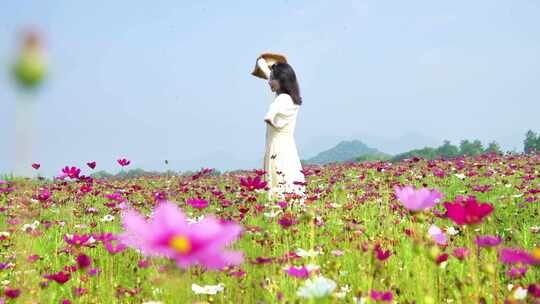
(270, 58)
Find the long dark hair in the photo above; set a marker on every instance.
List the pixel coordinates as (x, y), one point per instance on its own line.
(284, 74)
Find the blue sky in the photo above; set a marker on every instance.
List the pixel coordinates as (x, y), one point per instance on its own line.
(171, 80)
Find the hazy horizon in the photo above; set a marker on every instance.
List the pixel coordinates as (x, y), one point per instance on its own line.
(167, 81)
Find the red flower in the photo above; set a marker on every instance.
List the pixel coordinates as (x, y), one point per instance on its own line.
(12, 293)
(468, 211)
(36, 166)
(91, 165)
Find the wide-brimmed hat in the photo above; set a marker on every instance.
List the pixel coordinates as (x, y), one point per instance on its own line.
(270, 58)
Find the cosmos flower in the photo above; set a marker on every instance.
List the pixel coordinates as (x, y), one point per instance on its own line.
(123, 162)
(385, 296)
(416, 200)
(317, 287)
(197, 203)
(467, 211)
(488, 241)
(252, 183)
(299, 272)
(437, 235)
(517, 256)
(169, 234)
(36, 166)
(91, 165)
(207, 289)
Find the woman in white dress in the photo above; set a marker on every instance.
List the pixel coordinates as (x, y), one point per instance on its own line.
(281, 161)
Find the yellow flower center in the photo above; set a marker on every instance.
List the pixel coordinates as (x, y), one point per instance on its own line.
(180, 244)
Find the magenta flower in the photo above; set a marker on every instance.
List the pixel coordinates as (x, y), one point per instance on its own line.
(252, 183)
(91, 165)
(197, 203)
(298, 272)
(72, 172)
(76, 239)
(169, 234)
(59, 277)
(467, 211)
(415, 200)
(516, 256)
(385, 296)
(123, 162)
(83, 261)
(381, 254)
(487, 241)
(461, 252)
(114, 249)
(12, 293)
(36, 166)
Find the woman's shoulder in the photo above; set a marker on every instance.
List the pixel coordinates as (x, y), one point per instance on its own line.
(284, 97)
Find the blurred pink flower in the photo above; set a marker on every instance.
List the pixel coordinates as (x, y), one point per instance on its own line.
(72, 172)
(420, 199)
(169, 234)
(299, 272)
(252, 183)
(437, 235)
(487, 241)
(36, 166)
(516, 256)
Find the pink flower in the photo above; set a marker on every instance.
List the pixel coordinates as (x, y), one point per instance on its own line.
(169, 234)
(515, 256)
(380, 254)
(299, 272)
(36, 166)
(381, 295)
(123, 162)
(468, 211)
(437, 235)
(72, 172)
(415, 200)
(83, 261)
(91, 165)
(114, 249)
(60, 277)
(461, 252)
(197, 203)
(76, 239)
(12, 293)
(487, 241)
(252, 183)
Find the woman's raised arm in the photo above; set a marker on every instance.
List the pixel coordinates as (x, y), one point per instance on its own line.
(261, 62)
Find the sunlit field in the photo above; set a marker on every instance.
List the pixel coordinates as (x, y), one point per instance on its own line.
(466, 231)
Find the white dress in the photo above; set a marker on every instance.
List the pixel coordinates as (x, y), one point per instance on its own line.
(281, 161)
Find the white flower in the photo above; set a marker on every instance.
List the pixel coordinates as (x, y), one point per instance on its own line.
(4, 233)
(107, 218)
(342, 292)
(451, 230)
(520, 293)
(32, 226)
(272, 214)
(303, 253)
(207, 289)
(317, 287)
(460, 175)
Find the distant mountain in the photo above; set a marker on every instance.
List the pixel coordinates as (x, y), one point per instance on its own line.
(342, 152)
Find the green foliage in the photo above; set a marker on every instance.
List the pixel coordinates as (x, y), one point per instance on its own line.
(531, 143)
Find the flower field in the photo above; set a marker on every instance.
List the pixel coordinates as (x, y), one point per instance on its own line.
(463, 230)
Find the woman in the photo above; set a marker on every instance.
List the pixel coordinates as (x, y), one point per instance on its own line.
(281, 161)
